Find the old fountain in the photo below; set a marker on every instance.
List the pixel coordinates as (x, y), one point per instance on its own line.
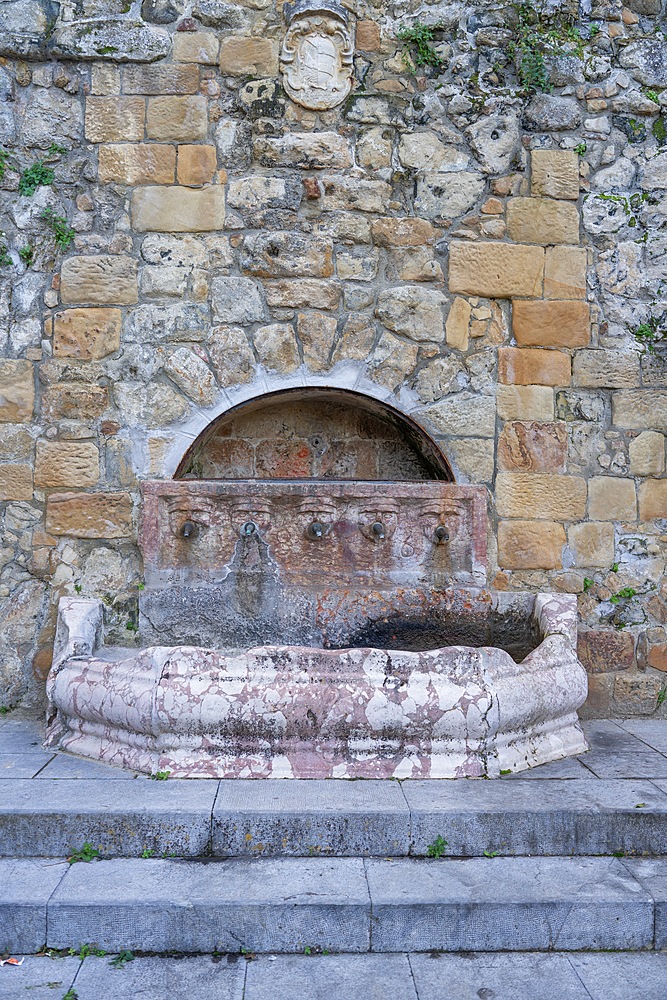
(323, 614)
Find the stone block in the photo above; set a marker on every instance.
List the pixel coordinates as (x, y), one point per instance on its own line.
(343, 193)
(458, 324)
(551, 323)
(565, 273)
(530, 544)
(178, 209)
(653, 499)
(473, 457)
(74, 401)
(115, 119)
(640, 409)
(611, 499)
(542, 220)
(180, 119)
(63, 464)
(17, 391)
(104, 79)
(248, 57)
(602, 369)
(412, 264)
(540, 496)
(27, 885)
(307, 150)
(317, 333)
(413, 312)
(196, 47)
(153, 978)
(277, 348)
(604, 650)
(15, 482)
(237, 300)
(555, 173)
(525, 402)
(368, 37)
(647, 454)
(532, 447)
(591, 544)
(103, 280)
(124, 163)
(197, 164)
(86, 334)
(160, 80)
(89, 515)
(301, 293)
(496, 270)
(287, 255)
(518, 366)
(465, 415)
(403, 232)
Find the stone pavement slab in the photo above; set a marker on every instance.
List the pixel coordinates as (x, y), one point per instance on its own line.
(571, 768)
(643, 763)
(652, 874)
(496, 977)
(25, 889)
(607, 734)
(187, 978)
(330, 977)
(38, 978)
(353, 818)
(196, 906)
(652, 732)
(65, 765)
(515, 904)
(23, 765)
(622, 976)
(21, 735)
(120, 819)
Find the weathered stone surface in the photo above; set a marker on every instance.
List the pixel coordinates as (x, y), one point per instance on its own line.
(424, 151)
(124, 163)
(652, 499)
(554, 173)
(115, 119)
(348, 193)
(647, 454)
(153, 405)
(530, 544)
(308, 150)
(316, 332)
(231, 355)
(285, 255)
(647, 58)
(547, 113)
(540, 496)
(302, 292)
(653, 176)
(249, 57)
(257, 193)
(118, 40)
(447, 196)
(183, 119)
(17, 391)
(603, 651)
(15, 482)
(276, 347)
(411, 264)
(413, 312)
(192, 375)
(104, 280)
(465, 415)
(163, 79)
(542, 220)
(65, 464)
(179, 251)
(458, 324)
(522, 366)
(551, 323)
(402, 232)
(495, 269)
(196, 47)
(525, 402)
(602, 369)
(640, 409)
(473, 458)
(154, 324)
(362, 264)
(89, 515)
(393, 359)
(237, 300)
(532, 447)
(496, 141)
(163, 281)
(51, 112)
(178, 209)
(565, 273)
(74, 401)
(161, 11)
(86, 333)
(196, 164)
(611, 499)
(591, 545)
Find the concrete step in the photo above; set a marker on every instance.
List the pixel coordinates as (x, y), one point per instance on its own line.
(341, 905)
(128, 818)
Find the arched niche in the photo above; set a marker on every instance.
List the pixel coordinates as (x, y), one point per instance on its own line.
(318, 433)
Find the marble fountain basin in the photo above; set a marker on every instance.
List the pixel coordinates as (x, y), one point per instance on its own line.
(319, 631)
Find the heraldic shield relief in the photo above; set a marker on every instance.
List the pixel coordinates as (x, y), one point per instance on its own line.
(316, 58)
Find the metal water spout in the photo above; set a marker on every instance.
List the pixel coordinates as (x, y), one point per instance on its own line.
(188, 529)
(441, 534)
(378, 529)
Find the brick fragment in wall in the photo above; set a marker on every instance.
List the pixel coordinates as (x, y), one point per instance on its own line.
(17, 391)
(542, 220)
(530, 544)
(540, 496)
(89, 515)
(496, 270)
(602, 651)
(542, 323)
(533, 367)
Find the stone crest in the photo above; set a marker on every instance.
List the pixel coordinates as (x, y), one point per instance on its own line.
(317, 53)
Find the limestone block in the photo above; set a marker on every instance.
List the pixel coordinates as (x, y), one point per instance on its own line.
(86, 334)
(652, 499)
(166, 280)
(66, 464)
(103, 280)
(303, 292)
(182, 119)
(448, 196)
(602, 369)
(179, 251)
(374, 149)
(439, 378)
(117, 39)
(276, 347)
(393, 361)
(349, 193)
(603, 651)
(548, 113)
(124, 163)
(532, 447)
(412, 311)
(611, 498)
(115, 119)
(525, 402)
(231, 355)
(540, 496)
(591, 544)
(249, 57)
(647, 454)
(17, 391)
(360, 264)
(258, 192)
(49, 113)
(473, 457)
(160, 80)
(153, 405)
(532, 366)
(530, 544)
(105, 80)
(424, 151)
(552, 323)
(647, 59)
(74, 401)
(465, 414)
(195, 47)
(458, 324)
(308, 150)
(565, 273)
(367, 36)
(89, 515)
(636, 694)
(542, 220)
(237, 300)
(178, 209)
(640, 409)
(192, 375)
(555, 173)
(15, 482)
(287, 255)
(317, 332)
(412, 264)
(496, 270)
(196, 164)
(402, 232)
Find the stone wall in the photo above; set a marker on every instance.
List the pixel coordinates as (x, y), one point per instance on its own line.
(481, 248)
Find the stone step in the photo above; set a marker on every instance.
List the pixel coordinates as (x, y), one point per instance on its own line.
(129, 818)
(344, 905)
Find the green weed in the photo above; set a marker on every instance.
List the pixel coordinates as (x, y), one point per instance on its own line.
(160, 775)
(63, 234)
(418, 51)
(38, 175)
(86, 853)
(120, 961)
(437, 849)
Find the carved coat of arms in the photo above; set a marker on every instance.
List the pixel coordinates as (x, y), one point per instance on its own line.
(316, 57)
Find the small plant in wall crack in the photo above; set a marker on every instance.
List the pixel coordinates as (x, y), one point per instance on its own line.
(437, 849)
(418, 52)
(651, 332)
(86, 853)
(121, 960)
(63, 234)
